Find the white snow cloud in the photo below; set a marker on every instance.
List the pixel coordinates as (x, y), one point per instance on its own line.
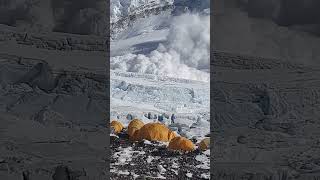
(186, 53)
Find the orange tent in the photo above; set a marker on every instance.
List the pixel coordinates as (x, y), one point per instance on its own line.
(135, 136)
(116, 126)
(134, 125)
(153, 132)
(181, 144)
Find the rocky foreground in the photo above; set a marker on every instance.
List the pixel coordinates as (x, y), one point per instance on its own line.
(150, 160)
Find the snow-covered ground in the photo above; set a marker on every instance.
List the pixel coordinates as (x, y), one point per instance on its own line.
(160, 64)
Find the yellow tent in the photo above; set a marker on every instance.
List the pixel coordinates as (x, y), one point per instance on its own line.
(153, 132)
(116, 126)
(134, 125)
(204, 144)
(181, 144)
(135, 136)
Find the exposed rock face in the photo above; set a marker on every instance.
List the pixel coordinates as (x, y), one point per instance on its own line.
(124, 22)
(144, 9)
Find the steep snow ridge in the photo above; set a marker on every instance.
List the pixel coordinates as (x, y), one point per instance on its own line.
(124, 14)
(124, 8)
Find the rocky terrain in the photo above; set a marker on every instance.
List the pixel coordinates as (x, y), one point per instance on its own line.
(149, 160)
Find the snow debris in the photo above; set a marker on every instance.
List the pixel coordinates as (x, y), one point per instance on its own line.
(205, 161)
(161, 169)
(149, 159)
(205, 176)
(189, 175)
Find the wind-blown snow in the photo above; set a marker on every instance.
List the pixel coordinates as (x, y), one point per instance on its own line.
(184, 55)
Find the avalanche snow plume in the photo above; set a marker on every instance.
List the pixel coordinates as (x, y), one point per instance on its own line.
(184, 54)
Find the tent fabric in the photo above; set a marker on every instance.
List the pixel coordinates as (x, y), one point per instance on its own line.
(181, 144)
(204, 144)
(135, 136)
(134, 125)
(117, 126)
(154, 132)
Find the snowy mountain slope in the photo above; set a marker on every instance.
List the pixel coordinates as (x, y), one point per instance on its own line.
(162, 69)
(181, 51)
(123, 8)
(159, 65)
(124, 14)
